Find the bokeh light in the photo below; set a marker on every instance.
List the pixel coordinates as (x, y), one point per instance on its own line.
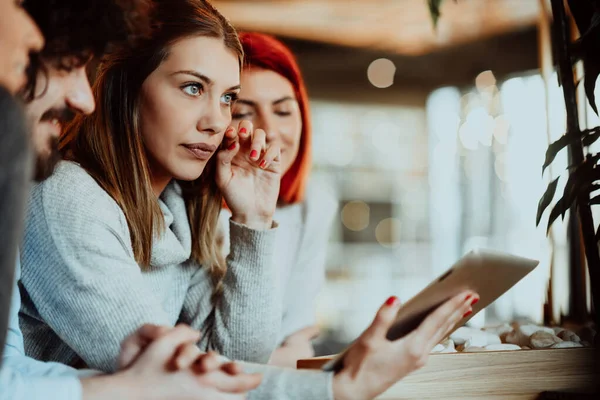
(356, 215)
(387, 231)
(485, 80)
(381, 73)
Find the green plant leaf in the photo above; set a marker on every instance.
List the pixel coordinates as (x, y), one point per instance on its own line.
(590, 136)
(560, 208)
(557, 146)
(595, 201)
(546, 200)
(586, 14)
(580, 183)
(592, 70)
(434, 10)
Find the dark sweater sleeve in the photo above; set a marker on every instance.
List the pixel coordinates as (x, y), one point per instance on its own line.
(14, 178)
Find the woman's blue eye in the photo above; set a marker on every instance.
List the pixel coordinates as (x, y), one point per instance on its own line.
(193, 89)
(229, 98)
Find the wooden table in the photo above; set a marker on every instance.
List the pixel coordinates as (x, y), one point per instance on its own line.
(507, 375)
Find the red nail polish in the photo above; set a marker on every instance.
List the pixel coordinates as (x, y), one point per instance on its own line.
(475, 300)
(263, 164)
(231, 146)
(253, 154)
(468, 313)
(468, 297)
(242, 131)
(392, 301)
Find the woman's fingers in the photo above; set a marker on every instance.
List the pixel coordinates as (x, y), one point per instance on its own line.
(259, 142)
(383, 320)
(207, 363)
(458, 314)
(426, 335)
(137, 342)
(230, 137)
(163, 349)
(224, 159)
(239, 383)
(187, 356)
(244, 132)
(232, 368)
(272, 159)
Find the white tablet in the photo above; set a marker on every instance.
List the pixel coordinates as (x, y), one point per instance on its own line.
(488, 273)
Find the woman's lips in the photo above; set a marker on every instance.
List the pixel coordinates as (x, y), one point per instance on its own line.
(201, 151)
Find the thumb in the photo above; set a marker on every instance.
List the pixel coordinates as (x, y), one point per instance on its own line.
(135, 343)
(165, 348)
(383, 319)
(224, 158)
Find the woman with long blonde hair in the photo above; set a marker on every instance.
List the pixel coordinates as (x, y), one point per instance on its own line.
(123, 233)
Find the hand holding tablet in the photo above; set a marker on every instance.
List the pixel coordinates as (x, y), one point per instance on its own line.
(489, 274)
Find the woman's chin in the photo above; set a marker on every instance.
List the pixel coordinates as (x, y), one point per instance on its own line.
(188, 174)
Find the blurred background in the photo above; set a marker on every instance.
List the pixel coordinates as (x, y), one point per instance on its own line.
(432, 141)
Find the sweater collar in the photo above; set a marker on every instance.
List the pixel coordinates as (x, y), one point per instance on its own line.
(174, 245)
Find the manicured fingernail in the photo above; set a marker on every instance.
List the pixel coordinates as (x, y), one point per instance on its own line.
(475, 300)
(231, 146)
(468, 297)
(263, 164)
(392, 301)
(468, 313)
(253, 154)
(243, 130)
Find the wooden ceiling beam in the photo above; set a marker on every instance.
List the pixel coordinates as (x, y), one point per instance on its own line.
(401, 27)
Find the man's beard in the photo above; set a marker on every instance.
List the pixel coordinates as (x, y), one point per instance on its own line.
(45, 163)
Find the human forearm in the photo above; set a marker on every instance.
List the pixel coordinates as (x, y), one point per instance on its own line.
(17, 386)
(248, 315)
(290, 384)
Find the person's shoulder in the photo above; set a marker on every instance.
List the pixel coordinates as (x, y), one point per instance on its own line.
(72, 192)
(320, 199)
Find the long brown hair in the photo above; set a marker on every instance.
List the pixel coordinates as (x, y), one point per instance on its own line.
(108, 144)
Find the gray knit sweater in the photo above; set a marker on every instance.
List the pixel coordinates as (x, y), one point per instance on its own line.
(83, 292)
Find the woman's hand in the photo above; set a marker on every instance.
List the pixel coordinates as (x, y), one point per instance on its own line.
(373, 363)
(249, 175)
(295, 347)
(164, 363)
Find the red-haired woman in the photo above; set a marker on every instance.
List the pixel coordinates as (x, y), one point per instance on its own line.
(273, 97)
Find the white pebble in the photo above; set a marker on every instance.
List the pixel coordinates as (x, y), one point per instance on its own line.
(502, 347)
(498, 329)
(445, 347)
(543, 340)
(565, 345)
(462, 334)
(521, 335)
(482, 339)
(568, 336)
(557, 330)
(473, 349)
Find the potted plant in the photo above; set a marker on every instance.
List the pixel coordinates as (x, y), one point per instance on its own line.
(584, 166)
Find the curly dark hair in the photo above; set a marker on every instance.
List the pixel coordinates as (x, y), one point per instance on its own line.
(77, 30)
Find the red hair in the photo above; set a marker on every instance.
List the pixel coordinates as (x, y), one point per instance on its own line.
(266, 52)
